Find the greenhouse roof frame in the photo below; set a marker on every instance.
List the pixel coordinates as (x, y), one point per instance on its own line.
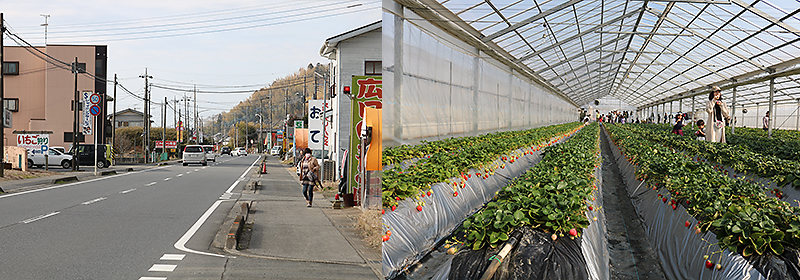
(643, 52)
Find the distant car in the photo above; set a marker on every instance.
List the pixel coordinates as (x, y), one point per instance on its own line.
(59, 148)
(276, 150)
(54, 157)
(225, 151)
(194, 154)
(240, 151)
(210, 155)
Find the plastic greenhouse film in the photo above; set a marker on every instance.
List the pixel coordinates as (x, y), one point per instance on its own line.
(415, 233)
(595, 242)
(679, 249)
(536, 257)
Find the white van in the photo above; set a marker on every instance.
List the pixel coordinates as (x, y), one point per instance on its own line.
(194, 154)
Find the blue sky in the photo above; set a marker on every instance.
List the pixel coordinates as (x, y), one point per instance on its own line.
(272, 39)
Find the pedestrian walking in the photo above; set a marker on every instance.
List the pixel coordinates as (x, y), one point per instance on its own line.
(717, 114)
(765, 127)
(309, 174)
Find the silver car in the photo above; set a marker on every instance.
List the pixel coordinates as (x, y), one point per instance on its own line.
(194, 154)
(210, 155)
(54, 157)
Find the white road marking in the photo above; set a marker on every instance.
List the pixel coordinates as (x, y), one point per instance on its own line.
(204, 167)
(94, 200)
(77, 183)
(150, 184)
(181, 243)
(197, 169)
(163, 267)
(188, 172)
(226, 195)
(31, 220)
(167, 179)
(152, 278)
(172, 257)
(232, 186)
(179, 175)
(127, 191)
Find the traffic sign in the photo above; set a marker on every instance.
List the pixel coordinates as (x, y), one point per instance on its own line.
(45, 148)
(95, 98)
(95, 110)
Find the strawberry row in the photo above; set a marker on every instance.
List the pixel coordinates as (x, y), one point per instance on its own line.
(738, 212)
(487, 155)
(741, 159)
(553, 196)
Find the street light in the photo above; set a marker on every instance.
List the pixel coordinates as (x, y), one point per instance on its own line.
(260, 118)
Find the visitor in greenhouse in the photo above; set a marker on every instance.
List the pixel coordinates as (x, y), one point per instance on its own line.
(678, 128)
(700, 133)
(766, 122)
(717, 114)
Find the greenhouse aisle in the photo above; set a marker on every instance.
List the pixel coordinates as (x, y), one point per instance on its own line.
(631, 256)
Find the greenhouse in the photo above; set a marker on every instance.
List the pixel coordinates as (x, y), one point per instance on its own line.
(591, 139)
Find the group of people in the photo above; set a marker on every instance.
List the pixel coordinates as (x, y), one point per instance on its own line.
(718, 115)
(615, 117)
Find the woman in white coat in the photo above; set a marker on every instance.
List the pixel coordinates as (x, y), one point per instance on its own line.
(717, 114)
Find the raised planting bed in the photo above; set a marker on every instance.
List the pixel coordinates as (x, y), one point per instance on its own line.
(415, 225)
(704, 224)
(440, 161)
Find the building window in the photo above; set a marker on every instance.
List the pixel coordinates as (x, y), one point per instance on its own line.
(372, 68)
(125, 124)
(11, 68)
(12, 104)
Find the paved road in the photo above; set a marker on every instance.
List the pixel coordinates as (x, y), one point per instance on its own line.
(127, 226)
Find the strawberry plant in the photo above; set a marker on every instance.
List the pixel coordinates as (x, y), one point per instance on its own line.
(742, 216)
(453, 158)
(553, 196)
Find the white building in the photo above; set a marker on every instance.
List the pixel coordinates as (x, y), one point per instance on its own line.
(354, 53)
(128, 117)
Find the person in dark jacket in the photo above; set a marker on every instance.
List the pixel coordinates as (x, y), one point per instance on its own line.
(678, 127)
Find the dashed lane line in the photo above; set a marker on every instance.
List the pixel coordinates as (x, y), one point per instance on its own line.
(173, 257)
(94, 200)
(167, 179)
(127, 191)
(179, 175)
(163, 267)
(152, 278)
(31, 220)
(150, 184)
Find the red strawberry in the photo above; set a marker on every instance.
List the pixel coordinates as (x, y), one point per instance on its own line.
(709, 264)
(673, 207)
(419, 208)
(573, 232)
(664, 199)
(394, 207)
(385, 238)
(687, 223)
(383, 211)
(397, 198)
(388, 233)
(688, 202)
(455, 193)
(590, 208)
(430, 193)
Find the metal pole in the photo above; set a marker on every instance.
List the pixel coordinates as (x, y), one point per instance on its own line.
(2, 103)
(114, 119)
(757, 114)
(95, 148)
(76, 107)
(771, 119)
(797, 122)
(733, 112)
(196, 141)
(694, 114)
(164, 128)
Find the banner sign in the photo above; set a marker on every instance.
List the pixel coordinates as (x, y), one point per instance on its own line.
(86, 123)
(368, 92)
(170, 144)
(316, 108)
(33, 141)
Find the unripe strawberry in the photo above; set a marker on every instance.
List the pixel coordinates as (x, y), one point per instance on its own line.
(554, 237)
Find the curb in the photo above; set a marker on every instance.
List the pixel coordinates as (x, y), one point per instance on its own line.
(111, 172)
(65, 180)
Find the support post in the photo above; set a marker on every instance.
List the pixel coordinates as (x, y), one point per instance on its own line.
(733, 112)
(2, 103)
(76, 108)
(114, 119)
(771, 119)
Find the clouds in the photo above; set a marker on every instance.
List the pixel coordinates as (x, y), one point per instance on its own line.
(244, 57)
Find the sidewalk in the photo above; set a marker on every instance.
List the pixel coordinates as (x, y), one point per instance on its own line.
(86, 173)
(285, 229)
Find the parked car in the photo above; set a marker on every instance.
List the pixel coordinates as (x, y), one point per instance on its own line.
(225, 150)
(59, 148)
(194, 154)
(240, 151)
(54, 157)
(276, 150)
(86, 155)
(210, 155)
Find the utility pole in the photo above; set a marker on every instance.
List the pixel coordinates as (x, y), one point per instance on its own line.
(146, 123)
(164, 127)
(2, 103)
(76, 108)
(45, 27)
(196, 134)
(114, 115)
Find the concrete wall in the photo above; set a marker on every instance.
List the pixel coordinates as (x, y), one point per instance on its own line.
(16, 156)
